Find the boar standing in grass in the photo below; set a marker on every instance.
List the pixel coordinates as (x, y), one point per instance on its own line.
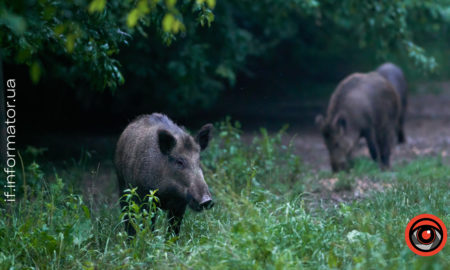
(154, 153)
(363, 105)
(395, 76)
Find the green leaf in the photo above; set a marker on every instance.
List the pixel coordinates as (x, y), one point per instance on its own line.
(59, 29)
(211, 3)
(177, 26)
(171, 3)
(86, 211)
(132, 18)
(143, 7)
(88, 266)
(227, 73)
(333, 260)
(14, 22)
(206, 18)
(97, 5)
(35, 72)
(168, 22)
(70, 42)
(200, 2)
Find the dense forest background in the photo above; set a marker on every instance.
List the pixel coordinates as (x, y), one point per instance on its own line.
(94, 65)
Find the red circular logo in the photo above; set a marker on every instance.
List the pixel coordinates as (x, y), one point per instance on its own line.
(426, 235)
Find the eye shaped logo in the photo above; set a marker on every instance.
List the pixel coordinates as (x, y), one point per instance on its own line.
(425, 235)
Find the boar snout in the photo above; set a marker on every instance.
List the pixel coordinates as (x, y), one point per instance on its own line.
(199, 197)
(206, 202)
(199, 202)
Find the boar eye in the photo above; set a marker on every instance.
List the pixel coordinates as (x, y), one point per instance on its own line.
(179, 162)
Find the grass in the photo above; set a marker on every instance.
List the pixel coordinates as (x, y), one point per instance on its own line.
(263, 217)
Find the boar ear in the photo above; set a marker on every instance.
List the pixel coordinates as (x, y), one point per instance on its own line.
(204, 135)
(166, 141)
(319, 120)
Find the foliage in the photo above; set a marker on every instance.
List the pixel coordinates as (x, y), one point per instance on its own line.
(273, 41)
(139, 211)
(261, 164)
(263, 218)
(180, 56)
(79, 39)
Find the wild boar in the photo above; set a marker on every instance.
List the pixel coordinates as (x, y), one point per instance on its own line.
(395, 76)
(153, 153)
(363, 105)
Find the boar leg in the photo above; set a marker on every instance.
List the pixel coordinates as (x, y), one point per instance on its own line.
(384, 144)
(175, 219)
(371, 143)
(401, 136)
(401, 131)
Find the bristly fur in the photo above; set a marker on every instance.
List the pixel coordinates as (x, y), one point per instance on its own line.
(363, 105)
(154, 153)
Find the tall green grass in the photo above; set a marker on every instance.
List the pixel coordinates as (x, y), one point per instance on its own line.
(263, 217)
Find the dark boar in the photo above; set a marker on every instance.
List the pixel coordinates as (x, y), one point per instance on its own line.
(363, 105)
(154, 153)
(395, 76)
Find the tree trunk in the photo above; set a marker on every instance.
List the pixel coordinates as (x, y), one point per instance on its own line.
(2, 118)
